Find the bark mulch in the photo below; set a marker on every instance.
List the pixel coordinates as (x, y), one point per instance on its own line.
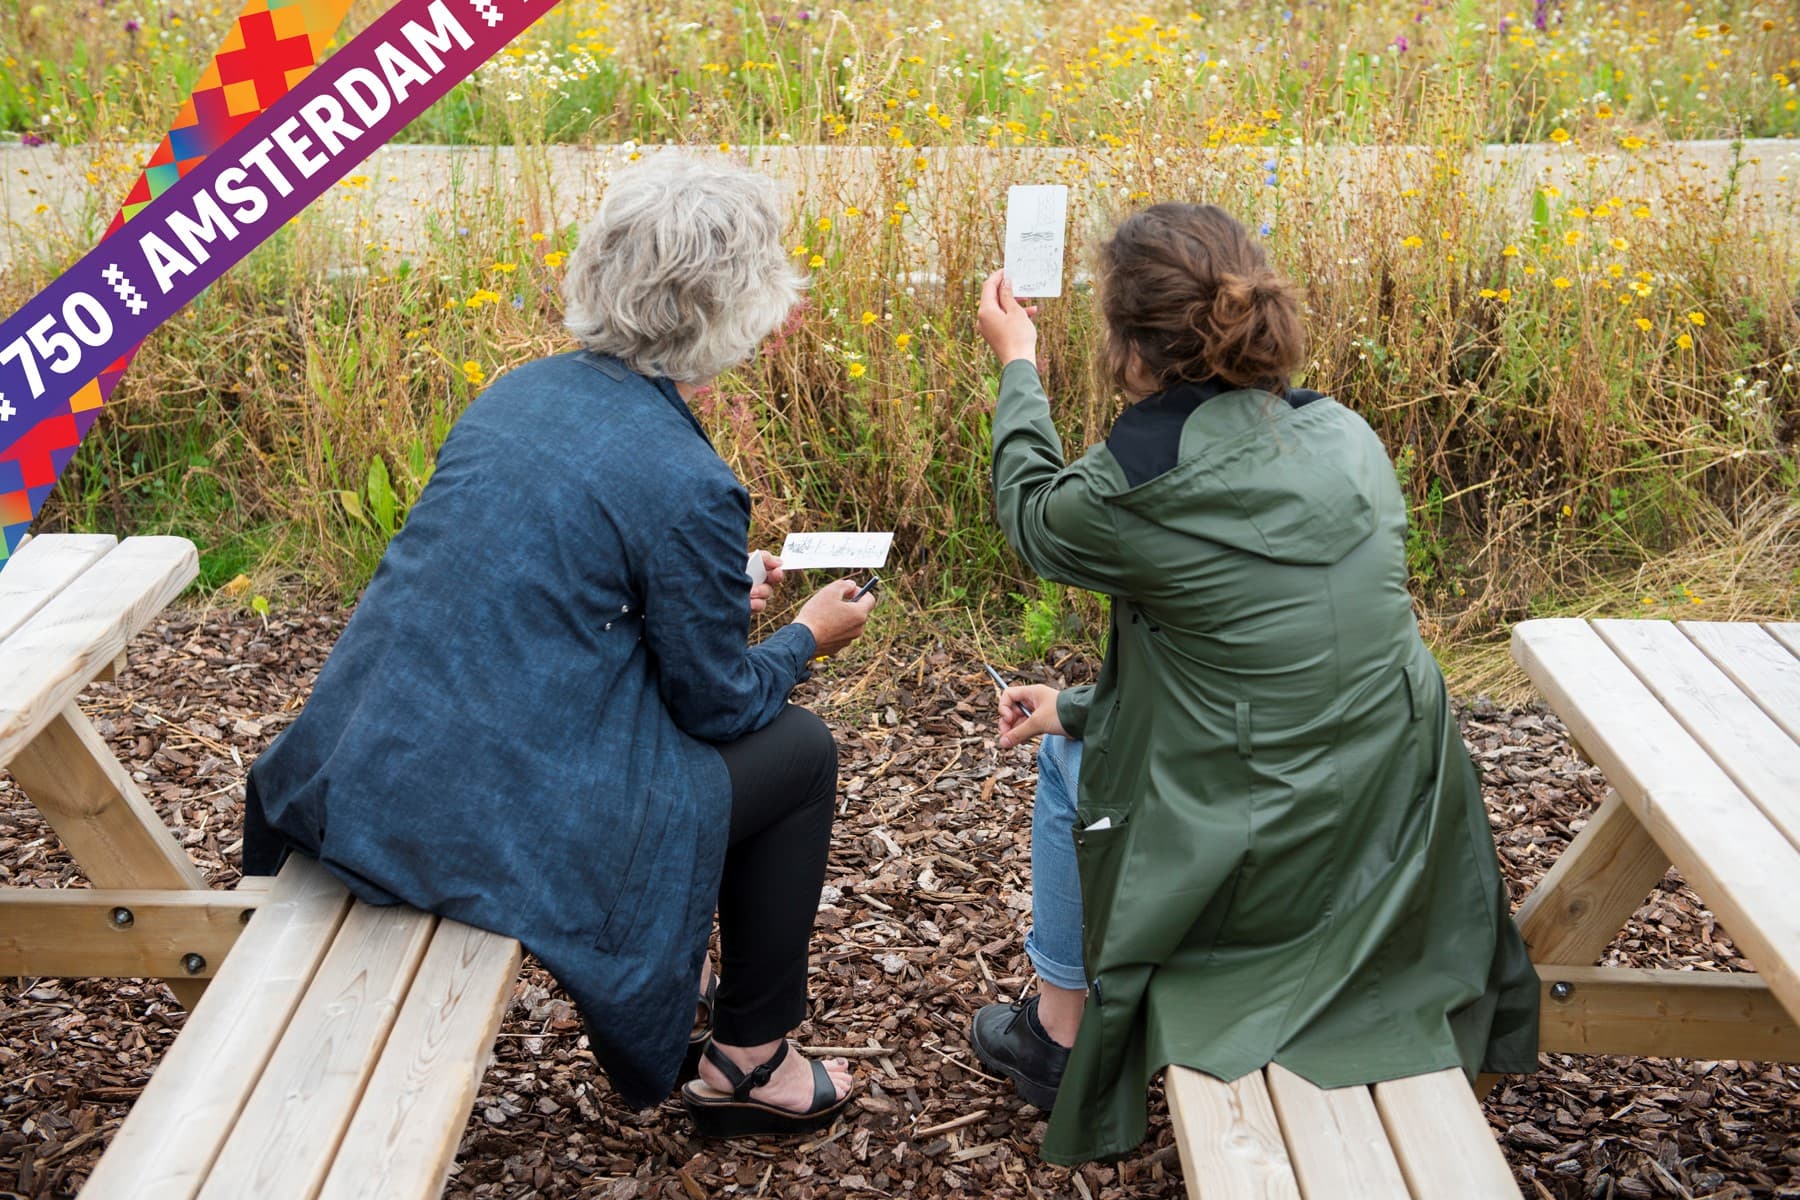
(921, 922)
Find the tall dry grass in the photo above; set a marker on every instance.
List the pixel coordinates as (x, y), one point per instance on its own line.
(1587, 367)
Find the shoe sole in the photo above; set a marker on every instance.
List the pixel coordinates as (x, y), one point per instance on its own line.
(731, 1119)
(1030, 1091)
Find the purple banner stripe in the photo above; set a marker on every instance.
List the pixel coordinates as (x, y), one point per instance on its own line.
(242, 193)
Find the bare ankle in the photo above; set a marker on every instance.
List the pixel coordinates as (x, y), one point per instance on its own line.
(1059, 1012)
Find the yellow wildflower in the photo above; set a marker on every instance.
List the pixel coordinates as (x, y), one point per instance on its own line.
(1642, 323)
(1559, 135)
(473, 373)
(1561, 282)
(1697, 318)
(1685, 342)
(857, 370)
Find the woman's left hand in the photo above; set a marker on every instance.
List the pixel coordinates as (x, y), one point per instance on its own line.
(1004, 323)
(760, 593)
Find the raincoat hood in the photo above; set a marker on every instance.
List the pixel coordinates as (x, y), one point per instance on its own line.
(1260, 476)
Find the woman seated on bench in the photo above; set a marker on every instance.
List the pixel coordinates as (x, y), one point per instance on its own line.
(545, 718)
(1258, 836)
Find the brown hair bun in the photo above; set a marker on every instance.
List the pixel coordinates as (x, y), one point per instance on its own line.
(1184, 288)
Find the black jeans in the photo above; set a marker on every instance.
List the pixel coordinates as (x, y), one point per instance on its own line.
(783, 797)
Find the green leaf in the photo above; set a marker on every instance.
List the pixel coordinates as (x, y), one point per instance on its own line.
(381, 496)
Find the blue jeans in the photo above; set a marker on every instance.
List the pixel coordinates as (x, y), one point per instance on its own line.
(1054, 943)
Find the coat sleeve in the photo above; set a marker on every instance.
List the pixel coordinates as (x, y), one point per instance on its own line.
(1072, 707)
(1050, 512)
(716, 685)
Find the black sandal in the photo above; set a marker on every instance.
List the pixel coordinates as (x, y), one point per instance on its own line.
(719, 1116)
(697, 1040)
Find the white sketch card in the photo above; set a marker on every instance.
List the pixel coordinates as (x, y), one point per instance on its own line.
(843, 551)
(1037, 218)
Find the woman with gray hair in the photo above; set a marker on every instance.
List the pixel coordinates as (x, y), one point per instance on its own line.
(546, 718)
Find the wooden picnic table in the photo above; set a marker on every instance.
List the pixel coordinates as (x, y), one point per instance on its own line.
(338, 1053)
(1696, 725)
(68, 605)
(1697, 728)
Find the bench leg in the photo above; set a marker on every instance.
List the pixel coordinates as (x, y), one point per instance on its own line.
(110, 830)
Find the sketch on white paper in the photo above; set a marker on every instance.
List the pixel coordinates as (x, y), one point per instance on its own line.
(1036, 221)
(842, 551)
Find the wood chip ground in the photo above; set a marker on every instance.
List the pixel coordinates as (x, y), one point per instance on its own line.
(922, 921)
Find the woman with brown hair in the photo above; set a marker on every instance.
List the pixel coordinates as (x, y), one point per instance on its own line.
(1258, 836)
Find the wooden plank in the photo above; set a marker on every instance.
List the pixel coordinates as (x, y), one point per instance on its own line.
(1229, 1140)
(124, 933)
(70, 773)
(290, 1128)
(1764, 669)
(403, 1139)
(49, 659)
(1663, 1014)
(1582, 902)
(1785, 632)
(1441, 1140)
(43, 567)
(1335, 1140)
(173, 1133)
(1727, 848)
(1755, 752)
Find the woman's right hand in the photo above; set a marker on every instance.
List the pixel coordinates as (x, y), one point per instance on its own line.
(1004, 323)
(1015, 726)
(834, 619)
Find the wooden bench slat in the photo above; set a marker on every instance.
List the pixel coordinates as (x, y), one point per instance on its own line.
(1441, 1140)
(1335, 1140)
(173, 1133)
(403, 1139)
(49, 659)
(1767, 671)
(1785, 632)
(290, 1128)
(1726, 847)
(1229, 1140)
(1757, 753)
(42, 567)
(72, 932)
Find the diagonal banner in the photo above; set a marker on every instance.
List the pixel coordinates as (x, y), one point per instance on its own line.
(271, 46)
(235, 198)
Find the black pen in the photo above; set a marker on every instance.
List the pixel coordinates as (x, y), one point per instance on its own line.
(1001, 684)
(866, 588)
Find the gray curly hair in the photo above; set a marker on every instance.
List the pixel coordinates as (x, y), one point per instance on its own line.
(682, 272)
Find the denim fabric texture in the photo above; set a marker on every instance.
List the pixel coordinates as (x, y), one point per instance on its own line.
(513, 729)
(1054, 943)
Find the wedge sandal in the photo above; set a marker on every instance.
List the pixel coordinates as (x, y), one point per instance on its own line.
(718, 1115)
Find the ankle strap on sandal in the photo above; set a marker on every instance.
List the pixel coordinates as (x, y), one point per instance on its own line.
(744, 1082)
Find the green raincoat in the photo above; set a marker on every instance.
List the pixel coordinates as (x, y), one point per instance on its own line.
(1298, 867)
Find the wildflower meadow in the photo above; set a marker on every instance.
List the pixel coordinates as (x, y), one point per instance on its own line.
(1547, 250)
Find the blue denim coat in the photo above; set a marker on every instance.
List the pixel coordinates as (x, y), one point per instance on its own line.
(512, 730)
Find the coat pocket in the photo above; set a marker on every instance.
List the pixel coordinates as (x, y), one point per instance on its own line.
(1099, 861)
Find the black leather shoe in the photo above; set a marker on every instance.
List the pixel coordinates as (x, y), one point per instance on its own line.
(1007, 1041)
